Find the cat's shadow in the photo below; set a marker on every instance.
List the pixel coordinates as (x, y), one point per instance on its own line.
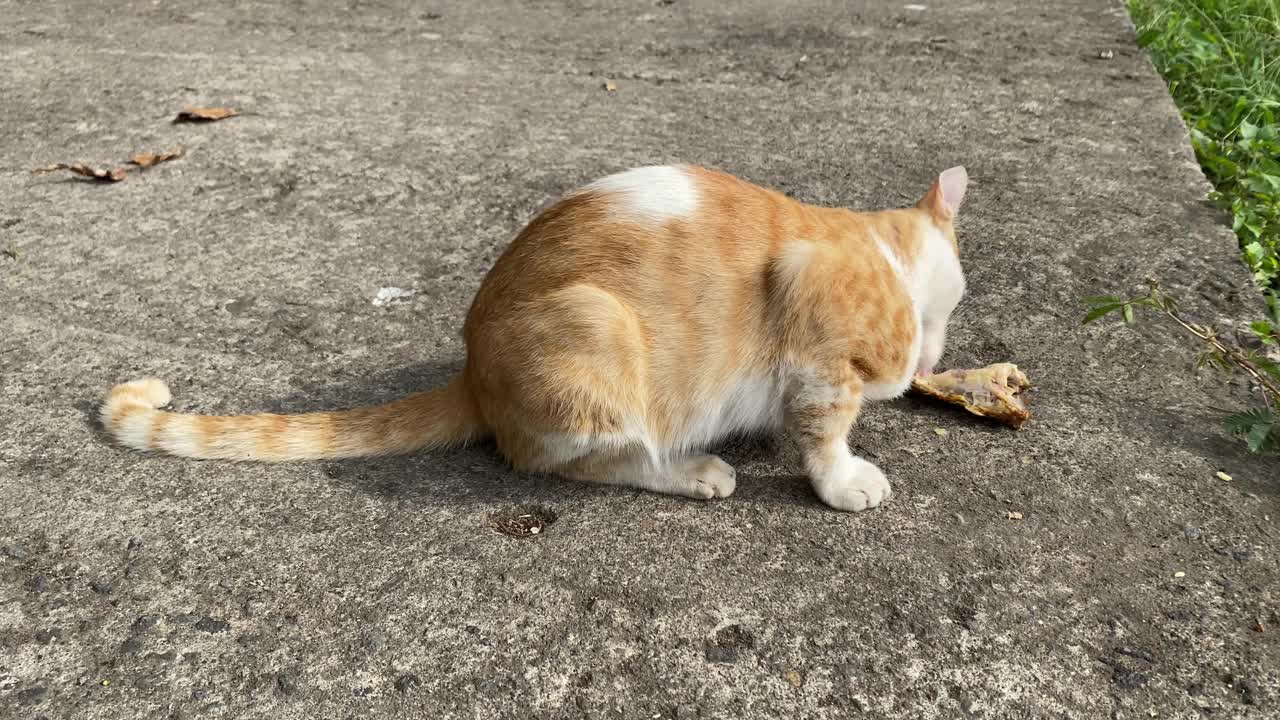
(476, 473)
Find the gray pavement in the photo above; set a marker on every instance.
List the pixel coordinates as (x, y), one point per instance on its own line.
(390, 144)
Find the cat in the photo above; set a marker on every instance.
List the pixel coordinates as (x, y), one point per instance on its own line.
(638, 321)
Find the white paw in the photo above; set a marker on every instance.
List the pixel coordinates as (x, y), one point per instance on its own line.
(853, 485)
(706, 477)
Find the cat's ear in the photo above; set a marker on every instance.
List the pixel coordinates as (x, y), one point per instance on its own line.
(946, 194)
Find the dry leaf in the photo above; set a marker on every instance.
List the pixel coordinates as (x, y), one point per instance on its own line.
(1258, 626)
(610, 86)
(202, 114)
(106, 176)
(793, 677)
(1015, 515)
(146, 160)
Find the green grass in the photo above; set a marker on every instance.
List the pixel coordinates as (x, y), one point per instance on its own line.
(1221, 59)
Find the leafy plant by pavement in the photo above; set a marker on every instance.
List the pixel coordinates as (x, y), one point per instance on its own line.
(1260, 425)
(1221, 60)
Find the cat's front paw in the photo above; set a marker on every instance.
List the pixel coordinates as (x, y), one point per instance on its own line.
(853, 486)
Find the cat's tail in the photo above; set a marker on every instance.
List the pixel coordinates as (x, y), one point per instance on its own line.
(435, 418)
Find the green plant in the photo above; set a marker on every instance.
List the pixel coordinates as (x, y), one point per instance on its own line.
(1221, 60)
(1259, 426)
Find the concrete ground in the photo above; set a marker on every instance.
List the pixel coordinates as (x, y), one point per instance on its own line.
(393, 144)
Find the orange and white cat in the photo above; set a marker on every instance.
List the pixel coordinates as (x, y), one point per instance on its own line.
(638, 321)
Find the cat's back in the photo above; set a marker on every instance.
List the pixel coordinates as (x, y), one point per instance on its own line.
(677, 234)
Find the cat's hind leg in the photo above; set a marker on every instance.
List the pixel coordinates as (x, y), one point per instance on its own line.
(572, 398)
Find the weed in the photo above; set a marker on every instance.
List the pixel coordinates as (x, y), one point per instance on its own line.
(1259, 426)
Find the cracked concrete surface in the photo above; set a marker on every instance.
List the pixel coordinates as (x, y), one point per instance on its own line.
(394, 144)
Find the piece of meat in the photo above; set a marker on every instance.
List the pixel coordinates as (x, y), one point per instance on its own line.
(992, 391)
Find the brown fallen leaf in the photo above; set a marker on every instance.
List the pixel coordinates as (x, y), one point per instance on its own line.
(992, 391)
(204, 114)
(107, 176)
(146, 160)
(1014, 515)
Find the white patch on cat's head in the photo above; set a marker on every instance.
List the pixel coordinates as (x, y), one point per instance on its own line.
(941, 285)
(939, 278)
(656, 193)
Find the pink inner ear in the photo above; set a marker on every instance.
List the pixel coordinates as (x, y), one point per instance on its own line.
(953, 183)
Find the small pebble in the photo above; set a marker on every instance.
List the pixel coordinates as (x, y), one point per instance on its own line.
(407, 682)
(287, 683)
(31, 696)
(720, 653)
(1129, 679)
(375, 640)
(1191, 533)
(145, 684)
(212, 625)
(145, 622)
(1179, 574)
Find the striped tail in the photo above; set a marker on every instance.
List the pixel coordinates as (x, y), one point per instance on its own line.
(435, 418)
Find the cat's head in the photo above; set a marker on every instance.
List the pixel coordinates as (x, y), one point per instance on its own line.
(938, 270)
